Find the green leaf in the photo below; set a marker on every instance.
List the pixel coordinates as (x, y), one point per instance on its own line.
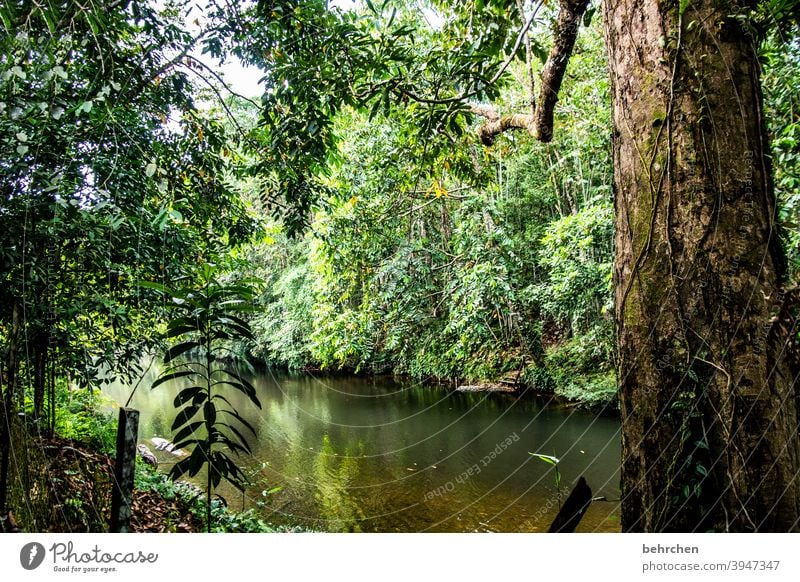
(191, 465)
(221, 397)
(174, 376)
(185, 443)
(242, 440)
(376, 107)
(235, 447)
(546, 458)
(179, 350)
(189, 429)
(243, 386)
(180, 326)
(238, 417)
(188, 394)
(179, 331)
(239, 331)
(151, 285)
(184, 416)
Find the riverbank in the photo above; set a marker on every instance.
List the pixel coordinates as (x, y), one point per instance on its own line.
(64, 483)
(160, 490)
(70, 491)
(594, 391)
(81, 485)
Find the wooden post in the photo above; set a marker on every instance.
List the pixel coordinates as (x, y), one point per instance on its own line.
(127, 435)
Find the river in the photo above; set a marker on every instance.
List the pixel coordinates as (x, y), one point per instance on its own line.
(387, 455)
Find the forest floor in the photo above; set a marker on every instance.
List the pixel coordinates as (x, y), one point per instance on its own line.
(64, 485)
(71, 492)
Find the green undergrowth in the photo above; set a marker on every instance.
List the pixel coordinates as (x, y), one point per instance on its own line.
(85, 416)
(579, 370)
(224, 520)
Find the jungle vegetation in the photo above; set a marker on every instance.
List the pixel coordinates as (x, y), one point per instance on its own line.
(601, 208)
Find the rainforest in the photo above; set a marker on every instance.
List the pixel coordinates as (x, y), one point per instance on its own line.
(448, 267)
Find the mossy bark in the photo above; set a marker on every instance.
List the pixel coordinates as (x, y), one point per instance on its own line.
(706, 366)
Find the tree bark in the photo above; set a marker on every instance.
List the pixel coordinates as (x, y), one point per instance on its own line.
(706, 362)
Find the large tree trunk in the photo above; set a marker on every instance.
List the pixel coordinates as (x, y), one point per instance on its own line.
(706, 363)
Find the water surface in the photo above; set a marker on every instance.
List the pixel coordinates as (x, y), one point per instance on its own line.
(382, 455)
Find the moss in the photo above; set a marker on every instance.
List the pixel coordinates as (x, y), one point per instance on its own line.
(579, 370)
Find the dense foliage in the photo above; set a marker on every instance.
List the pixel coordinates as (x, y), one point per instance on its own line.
(781, 59)
(111, 175)
(397, 241)
(441, 258)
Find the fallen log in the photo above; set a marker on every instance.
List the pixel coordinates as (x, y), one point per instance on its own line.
(488, 387)
(165, 445)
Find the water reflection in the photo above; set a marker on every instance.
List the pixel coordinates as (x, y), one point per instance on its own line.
(355, 454)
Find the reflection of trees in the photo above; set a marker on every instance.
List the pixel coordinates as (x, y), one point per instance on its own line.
(157, 426)
(334, 476)
(350, 463)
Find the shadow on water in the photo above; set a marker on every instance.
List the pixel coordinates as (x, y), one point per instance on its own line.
(378, 454)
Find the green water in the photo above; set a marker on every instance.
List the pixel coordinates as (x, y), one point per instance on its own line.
(355, 454)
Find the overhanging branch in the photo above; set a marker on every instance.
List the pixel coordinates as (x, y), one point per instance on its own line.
(540, 123)
(497, 124)
(570, 14)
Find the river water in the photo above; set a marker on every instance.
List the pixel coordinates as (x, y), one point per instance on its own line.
(388, 455)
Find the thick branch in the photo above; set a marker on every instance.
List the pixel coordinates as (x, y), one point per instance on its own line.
(569, 18)
(497, 124)
(540, 123)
